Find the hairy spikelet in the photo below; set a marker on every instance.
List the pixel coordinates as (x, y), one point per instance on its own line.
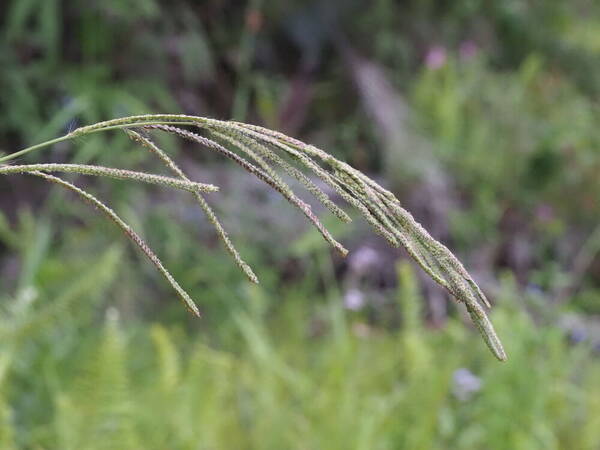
(261, 152)
(119, 174)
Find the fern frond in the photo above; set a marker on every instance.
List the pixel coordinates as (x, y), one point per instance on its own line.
(99, 403)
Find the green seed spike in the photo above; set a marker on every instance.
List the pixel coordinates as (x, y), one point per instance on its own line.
(262, 175)
(307, 162)
(293, 172)
(119, 174)
(132, 235)
(486, 329)
(287, 192)
(446, 269)
(212, 217)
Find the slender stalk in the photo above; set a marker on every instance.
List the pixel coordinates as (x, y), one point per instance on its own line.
(115, 124)
(120, 174)
(35, 147)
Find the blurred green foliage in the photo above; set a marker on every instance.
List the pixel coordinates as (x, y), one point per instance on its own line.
(502, 98)
(289, 375)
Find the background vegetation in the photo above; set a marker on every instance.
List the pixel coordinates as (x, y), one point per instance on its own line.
(481, 116)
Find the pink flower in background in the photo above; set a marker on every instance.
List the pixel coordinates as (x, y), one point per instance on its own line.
(468, 50)
(363, 259)
(465, 384)
(544, 213)
(435, 57)
(354, 300)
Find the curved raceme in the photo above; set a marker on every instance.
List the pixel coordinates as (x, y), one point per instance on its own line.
(264, 153)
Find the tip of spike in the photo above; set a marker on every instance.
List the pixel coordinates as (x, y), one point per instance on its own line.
(250, 274)
(342, 250)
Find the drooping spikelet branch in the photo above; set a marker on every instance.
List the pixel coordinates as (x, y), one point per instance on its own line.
(308, 163)
(212, 217)
(135, 238)
(119, 174)
(287, 192)
(289, 169)
(260, 173)
(384, 213)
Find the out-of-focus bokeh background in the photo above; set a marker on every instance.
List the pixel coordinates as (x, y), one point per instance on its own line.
(481, 116)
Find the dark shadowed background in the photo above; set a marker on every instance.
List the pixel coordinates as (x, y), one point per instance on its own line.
(481, 116)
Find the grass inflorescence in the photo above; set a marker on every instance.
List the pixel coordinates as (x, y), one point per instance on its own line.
(263, 152)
